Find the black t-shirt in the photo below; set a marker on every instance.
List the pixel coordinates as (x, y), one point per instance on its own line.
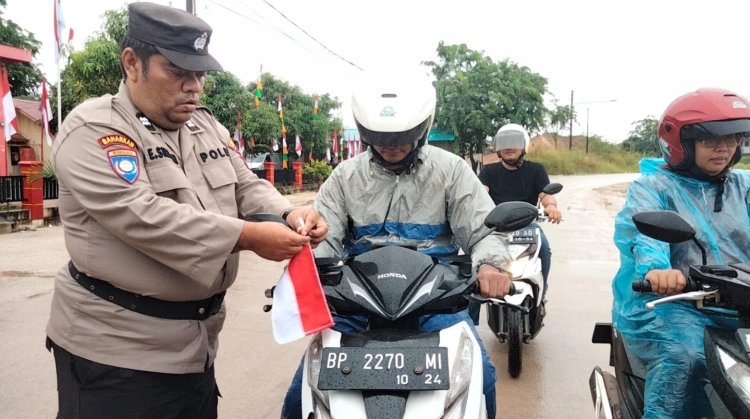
(522, 184)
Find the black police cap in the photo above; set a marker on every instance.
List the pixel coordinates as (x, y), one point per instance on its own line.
(181, 37)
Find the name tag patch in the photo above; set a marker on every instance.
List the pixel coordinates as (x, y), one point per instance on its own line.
(125, 164)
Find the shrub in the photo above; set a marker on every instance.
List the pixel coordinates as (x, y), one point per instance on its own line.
(318, 170)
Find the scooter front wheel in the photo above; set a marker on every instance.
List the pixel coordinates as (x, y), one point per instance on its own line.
(515, 341)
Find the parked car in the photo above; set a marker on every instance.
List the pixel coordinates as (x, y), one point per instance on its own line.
(255, 161)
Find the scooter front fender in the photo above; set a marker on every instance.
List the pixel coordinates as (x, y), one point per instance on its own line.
(523, 290)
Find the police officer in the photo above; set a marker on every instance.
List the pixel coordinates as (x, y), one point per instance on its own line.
(152, 201)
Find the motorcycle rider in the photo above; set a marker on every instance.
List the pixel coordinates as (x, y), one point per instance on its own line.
(700, 134)
(514, 178)
(404, 191)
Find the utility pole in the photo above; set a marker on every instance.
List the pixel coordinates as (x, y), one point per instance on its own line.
(572, 113)
(190, 6)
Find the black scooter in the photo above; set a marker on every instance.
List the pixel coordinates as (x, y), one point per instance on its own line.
(727, 360)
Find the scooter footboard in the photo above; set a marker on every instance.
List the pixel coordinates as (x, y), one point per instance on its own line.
(454, 365)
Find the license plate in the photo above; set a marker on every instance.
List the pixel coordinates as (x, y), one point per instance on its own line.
(384, 369)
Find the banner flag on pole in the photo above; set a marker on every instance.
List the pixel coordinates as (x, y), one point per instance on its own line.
(284, 151)
(297, 145)
(259, 88)
(46, 109)
(61, 37)
(10, 123)
(299, 304)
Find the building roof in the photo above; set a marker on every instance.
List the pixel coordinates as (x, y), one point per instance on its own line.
(30, 108)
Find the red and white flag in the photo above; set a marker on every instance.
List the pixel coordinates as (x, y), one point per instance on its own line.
(46, 109)
(299, 305)
(10, 123)
(298, 145)
(61, 27)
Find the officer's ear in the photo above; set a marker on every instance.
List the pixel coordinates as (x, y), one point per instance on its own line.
(132, 64)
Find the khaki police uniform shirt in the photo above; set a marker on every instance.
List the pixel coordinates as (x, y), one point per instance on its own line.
(153, 212)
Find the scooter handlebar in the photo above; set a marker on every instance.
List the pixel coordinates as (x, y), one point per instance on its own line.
(641, 286)
(645, 286)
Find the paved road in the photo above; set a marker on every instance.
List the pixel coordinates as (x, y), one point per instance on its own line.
(254, 372)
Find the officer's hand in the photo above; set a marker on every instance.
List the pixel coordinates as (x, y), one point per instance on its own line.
(307, 222)
(553, 214)
(492, 282)
(666, 281)
(271, 240)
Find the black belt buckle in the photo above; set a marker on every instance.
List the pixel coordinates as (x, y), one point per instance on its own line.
(212, 306)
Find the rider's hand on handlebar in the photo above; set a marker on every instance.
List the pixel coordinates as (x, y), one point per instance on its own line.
(666, 281)
(492, 282)
(553, 214)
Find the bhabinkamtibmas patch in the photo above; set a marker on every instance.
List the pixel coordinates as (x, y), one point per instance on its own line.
(125, 164)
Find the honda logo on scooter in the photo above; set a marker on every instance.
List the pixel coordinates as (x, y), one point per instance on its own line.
(392, 275)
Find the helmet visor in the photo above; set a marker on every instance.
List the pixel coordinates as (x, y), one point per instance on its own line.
(394, 139)
(510, 139)
(715, 129)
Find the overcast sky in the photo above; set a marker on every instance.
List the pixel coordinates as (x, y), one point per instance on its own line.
(640, 53)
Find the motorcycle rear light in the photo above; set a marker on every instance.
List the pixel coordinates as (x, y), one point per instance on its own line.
(461, 375)
(737, 373)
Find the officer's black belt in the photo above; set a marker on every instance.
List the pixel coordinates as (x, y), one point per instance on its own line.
(154, 307)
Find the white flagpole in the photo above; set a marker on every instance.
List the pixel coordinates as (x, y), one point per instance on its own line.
(59, 97)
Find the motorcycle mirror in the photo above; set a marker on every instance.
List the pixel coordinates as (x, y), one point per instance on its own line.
(666, 226)
(552, 188)
(511, 216)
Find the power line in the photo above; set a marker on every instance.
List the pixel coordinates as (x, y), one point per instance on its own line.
(312, 37)
(261, 23)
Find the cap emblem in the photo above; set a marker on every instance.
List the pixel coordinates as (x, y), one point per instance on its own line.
(738, 104)
(200, 42)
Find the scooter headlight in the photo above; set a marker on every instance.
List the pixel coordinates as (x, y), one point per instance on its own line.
(314, 357)
(460, 379)
(737, 373)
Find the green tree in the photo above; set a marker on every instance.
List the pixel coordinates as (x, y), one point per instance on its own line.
(298, 116)
(476, 96)
(644, 137)
(24, 78)
(559, 119)
(224, 94)
(95, 70)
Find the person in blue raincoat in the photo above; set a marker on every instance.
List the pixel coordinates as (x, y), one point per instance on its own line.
(700, 135)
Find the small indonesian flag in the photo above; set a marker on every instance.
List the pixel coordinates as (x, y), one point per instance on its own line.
(299, 305)
(298, 145)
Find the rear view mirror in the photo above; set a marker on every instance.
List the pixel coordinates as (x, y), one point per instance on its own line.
(511, 216)
(552, 188)
(666, 226)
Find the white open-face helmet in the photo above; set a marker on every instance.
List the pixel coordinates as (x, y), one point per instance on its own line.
(391, 111)
(511, 136)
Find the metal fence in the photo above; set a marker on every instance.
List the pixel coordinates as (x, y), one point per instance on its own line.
(49, 188)
(11, 188)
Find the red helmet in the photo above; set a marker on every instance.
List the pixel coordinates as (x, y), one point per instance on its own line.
(705, 113)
